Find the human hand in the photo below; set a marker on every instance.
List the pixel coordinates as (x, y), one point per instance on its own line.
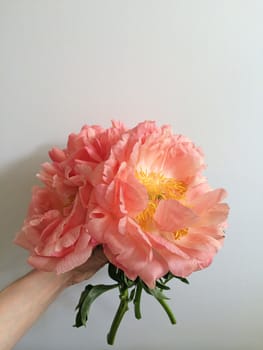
(89, 268)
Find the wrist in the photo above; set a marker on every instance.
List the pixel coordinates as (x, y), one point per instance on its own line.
(57, 281)
(65, 279)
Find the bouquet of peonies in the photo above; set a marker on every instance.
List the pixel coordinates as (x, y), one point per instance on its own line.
(139, 194)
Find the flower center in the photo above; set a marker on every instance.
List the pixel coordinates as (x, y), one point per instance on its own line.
(158, 188)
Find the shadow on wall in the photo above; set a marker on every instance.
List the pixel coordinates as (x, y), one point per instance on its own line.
(16, 182)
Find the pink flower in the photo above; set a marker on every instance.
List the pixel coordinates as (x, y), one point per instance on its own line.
(55, 230)
(140, 193)
(151, 207)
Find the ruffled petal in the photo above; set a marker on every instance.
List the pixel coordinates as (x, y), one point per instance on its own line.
(154, 270)
(208, 200)
(215, 216)
(100, 224)
(78, 256)
(199, 246)
(132, 249)
(171, 216)
(43, 263)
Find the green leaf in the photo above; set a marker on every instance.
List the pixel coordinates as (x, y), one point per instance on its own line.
(161, 285)
(119, 276)
(115, 273)
(83, 295)
(182, 279)
(158, 293)
(87, 297)
(169, 276)
(146, 288)
(129, 283)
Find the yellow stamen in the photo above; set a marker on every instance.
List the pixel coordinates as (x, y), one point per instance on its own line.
(158, 188)
(180, 233)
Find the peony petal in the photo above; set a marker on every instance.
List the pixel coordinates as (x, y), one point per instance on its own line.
(216, 215)
(48, 229)
(199, 246)
(112, 258)
(73, 260)
(160, 243)
(77, 215)
(27, 238)
(216, 231)
(178, 265)
(51, 249)
(154, 270)
(183, 160)
(43, 263)
(132, 251)
(78, 256)
(85, 194)
(178, 261)
(208, 200)
(57, 155)
(171, 216)
(100, 224)
(68, 239)
(134, 195)
(197, 190)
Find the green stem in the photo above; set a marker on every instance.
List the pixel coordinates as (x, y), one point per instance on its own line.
(123, 307)
(169, 279)
(137, 301)
(167, 310)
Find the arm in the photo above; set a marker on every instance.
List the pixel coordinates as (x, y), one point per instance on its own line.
(25, 300)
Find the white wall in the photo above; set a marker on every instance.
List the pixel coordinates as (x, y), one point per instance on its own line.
(194, 64)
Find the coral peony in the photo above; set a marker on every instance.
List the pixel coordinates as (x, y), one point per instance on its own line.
(141, 194)
(55, 230)
(151, 207)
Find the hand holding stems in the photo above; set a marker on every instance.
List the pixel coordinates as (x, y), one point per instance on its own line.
(128, 291)
(26, 299)
(22, 303)
(89, 268)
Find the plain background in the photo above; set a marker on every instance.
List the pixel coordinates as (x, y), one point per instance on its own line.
(196, 65)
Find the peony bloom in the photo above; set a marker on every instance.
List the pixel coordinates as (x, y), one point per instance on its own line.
(141, 194)
(151, 207)
(55, 230)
